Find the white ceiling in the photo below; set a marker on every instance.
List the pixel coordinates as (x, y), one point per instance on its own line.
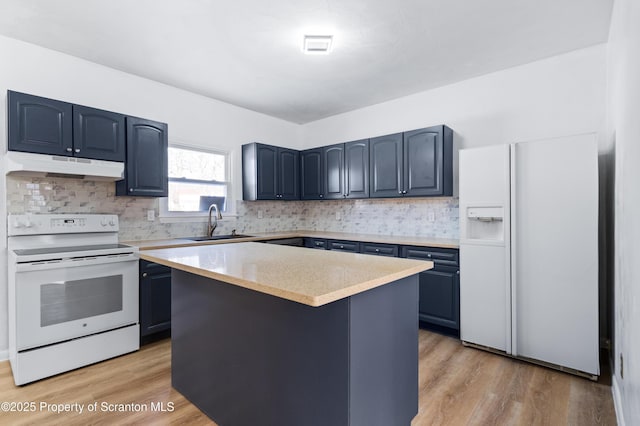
(248, 52)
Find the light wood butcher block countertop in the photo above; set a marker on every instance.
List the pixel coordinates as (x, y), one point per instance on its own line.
(261, 236)
(311, 277)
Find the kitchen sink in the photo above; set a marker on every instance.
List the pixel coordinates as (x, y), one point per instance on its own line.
(218, 237)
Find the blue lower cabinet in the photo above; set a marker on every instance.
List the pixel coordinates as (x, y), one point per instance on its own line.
(155, 301)
(439, 303)
(340, 245)
(378, 249)
(440, 297)
(316, 243)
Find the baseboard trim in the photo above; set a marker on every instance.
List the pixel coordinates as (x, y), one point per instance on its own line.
(4, 355)
(617, 400)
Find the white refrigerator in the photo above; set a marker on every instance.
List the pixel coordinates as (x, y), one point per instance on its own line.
(529, 251)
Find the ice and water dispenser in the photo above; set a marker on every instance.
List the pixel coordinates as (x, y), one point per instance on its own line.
(484, 223)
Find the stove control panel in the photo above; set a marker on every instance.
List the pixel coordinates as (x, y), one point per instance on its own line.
(40, 224)
(68, 223)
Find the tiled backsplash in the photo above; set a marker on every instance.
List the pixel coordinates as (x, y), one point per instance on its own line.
(402, 216)
(405, 217)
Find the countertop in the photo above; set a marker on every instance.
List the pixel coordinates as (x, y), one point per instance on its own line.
(260, 236)
(311, 277)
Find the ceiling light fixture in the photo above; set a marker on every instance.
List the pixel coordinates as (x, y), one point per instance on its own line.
(317, 44)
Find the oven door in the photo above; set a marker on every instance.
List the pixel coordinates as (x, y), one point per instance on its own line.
(62, 300)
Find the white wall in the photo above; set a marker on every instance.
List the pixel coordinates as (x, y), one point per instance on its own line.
(193, 119)
(624, 136)
(557, 96)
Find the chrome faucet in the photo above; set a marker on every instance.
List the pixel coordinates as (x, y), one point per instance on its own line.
(212, 226)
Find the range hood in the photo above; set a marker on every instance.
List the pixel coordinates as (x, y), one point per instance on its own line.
(27, 164)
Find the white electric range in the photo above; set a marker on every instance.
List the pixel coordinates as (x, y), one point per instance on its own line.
(73, 293)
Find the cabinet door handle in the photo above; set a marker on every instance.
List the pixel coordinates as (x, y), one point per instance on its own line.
(399, 192)
(130, 189)
(458, 272)
(144, 274)
(321, 195)
(77, 150)
(377, 250)
(404, 192)
(69, 150)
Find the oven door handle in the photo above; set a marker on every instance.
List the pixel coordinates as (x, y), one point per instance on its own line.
(75, 263)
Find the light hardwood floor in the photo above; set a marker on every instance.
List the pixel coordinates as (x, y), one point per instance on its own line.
(458, 386)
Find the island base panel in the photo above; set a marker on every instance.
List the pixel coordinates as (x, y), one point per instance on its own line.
(247, 358)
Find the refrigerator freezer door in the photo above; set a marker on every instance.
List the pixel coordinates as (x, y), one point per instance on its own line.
(555, 247)
(485, 293)
(484, 297)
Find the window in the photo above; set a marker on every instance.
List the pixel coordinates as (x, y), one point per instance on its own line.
(197, 179)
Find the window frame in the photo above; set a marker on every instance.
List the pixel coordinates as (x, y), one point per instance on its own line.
(163, 208)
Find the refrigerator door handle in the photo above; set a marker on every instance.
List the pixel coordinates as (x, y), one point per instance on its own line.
(512, 311)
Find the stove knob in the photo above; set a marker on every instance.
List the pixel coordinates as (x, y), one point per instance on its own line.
(17, 224)
(103, 222)
(27, 223)
(112, 223)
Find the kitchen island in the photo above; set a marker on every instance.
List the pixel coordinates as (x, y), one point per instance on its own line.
(278, 335)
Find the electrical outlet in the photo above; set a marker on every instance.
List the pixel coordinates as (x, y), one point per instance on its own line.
(338, 216)
(260, 214)
(151, 215)
(431, 216)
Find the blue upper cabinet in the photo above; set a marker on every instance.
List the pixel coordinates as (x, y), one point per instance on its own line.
(311, 174)
(346, 170)
(46, 126)
(146, 166)
(288, 174)
(39, 125)
(386, 165)
(356, 169)
(267, 165)
(333, 168)
(98, 134)
(424, 171)
(270, 173)
(417, 163)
